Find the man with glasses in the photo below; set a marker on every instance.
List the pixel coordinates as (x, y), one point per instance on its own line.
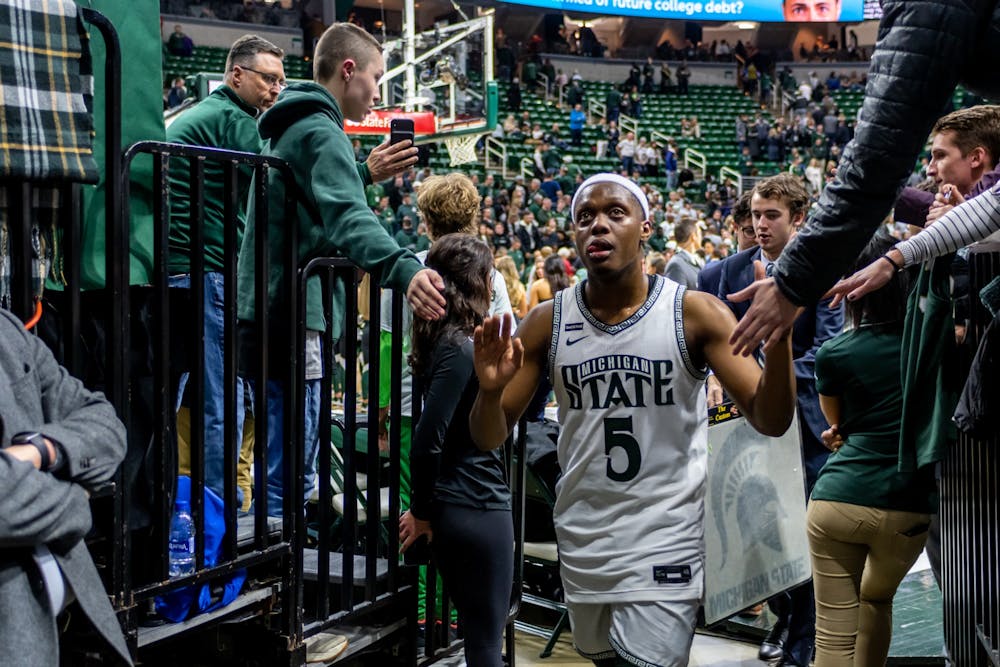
(709, 277)
(227, 119)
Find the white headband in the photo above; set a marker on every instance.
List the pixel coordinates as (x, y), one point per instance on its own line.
(626, 183)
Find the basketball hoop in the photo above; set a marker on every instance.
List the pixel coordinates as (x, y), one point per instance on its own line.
(462, 149)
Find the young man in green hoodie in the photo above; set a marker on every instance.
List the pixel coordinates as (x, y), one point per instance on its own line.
(306, 128)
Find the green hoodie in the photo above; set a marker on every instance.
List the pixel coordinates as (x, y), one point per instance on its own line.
(221, 120)
(305, 128)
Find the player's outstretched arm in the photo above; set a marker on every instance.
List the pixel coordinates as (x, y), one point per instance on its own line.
(766, 398)
(508, 370)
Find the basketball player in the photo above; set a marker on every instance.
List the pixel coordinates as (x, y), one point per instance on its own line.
(627, 354)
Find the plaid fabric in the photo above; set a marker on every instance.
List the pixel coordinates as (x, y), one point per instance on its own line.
(46, 126)
(46, 93)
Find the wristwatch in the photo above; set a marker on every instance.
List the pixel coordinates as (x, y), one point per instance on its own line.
(37, 440)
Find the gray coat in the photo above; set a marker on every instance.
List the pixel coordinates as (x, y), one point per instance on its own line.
(36, 394)
(682, 269)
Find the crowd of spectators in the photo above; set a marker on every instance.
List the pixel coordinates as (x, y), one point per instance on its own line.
(285, 14)
(527, 224)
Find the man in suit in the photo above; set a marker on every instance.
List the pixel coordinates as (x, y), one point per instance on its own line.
(746, 237)
(686, 263)
(59, 443)
(778, 206)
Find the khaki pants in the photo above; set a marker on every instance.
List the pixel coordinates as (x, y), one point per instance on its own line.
(244, 467)
(859, 556)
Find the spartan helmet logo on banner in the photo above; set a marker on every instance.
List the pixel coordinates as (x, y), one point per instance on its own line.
(746, 497)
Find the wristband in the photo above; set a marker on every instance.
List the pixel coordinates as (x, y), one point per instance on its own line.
(895, 267)
(36, 440)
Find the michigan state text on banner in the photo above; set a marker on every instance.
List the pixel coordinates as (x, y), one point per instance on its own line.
(755, 507)
(377, 122)
(706, 10)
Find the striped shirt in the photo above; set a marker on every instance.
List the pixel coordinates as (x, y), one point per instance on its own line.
(967, 223)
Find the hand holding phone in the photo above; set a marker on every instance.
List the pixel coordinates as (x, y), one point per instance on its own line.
(401, 129)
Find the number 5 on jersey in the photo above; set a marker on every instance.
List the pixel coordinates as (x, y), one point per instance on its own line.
(618, 433)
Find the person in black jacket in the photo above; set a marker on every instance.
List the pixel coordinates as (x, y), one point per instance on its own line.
(514, 95)
(460, 499)
(938, 44)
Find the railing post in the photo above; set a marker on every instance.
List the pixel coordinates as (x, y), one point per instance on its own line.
(527, 168)
(695, 159)
(628, 124)
(729, 172)
(596, 111)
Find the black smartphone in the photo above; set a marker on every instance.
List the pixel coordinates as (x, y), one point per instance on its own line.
(419, 552)
(400, 129)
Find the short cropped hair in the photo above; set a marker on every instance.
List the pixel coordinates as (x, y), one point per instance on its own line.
(684, 230)
(656, 262)
(245, 49)
(449, 204)
(787, 189)
(972, 127)
(340, 42)
(741, 210)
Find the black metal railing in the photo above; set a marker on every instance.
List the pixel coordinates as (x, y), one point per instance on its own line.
(267, 546)
(970, 516)
(369, 575)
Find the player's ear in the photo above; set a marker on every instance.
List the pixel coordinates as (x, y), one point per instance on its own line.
(647, 230)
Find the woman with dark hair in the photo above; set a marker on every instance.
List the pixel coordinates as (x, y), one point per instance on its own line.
(554, 278)
(460, 499)
(867, 521)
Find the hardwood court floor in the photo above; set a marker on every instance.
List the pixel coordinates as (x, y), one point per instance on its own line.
(917, 632)
(707, 652)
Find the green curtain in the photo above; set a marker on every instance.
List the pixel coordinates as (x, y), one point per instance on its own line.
(138, 25)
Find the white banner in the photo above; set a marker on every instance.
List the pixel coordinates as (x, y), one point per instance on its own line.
(755, 524)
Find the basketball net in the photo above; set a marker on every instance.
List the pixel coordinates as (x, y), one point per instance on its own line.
(462, 149)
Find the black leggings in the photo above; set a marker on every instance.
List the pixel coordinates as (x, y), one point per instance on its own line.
(474, 550)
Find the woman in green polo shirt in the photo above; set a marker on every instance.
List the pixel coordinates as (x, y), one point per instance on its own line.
(867, 521)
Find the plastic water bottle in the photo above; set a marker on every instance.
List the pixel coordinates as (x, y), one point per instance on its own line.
(181, 541)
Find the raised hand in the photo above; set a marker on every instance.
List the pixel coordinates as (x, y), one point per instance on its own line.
(872, 277)
(769, 318)
(386, 160)
(947, 198)
(498, 355)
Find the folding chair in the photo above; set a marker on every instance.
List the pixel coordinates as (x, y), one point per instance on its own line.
(545, 555)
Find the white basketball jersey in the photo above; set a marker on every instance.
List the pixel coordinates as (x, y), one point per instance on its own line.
(632, 447)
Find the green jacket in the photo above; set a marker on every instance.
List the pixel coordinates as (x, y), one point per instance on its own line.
(406, 239)
(374, 193)
(552, 159)
(928, 365)
(137, 23)
(423, 243)
(305, 128)
(221, 120)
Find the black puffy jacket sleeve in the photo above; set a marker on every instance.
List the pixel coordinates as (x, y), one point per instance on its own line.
(924, 47)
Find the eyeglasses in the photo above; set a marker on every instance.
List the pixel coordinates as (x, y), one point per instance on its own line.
(270, 79)
(748, 232)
